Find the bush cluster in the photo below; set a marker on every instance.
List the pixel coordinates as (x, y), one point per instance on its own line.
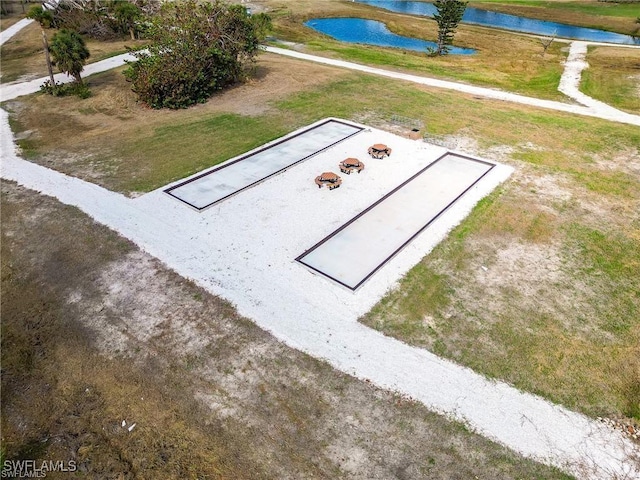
(196, 49)
(80, 90)
(95, 18)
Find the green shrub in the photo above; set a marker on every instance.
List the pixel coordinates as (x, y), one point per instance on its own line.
(197, 48)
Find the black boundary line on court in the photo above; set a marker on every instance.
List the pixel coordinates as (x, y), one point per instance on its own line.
(169, 190)
(370, 207)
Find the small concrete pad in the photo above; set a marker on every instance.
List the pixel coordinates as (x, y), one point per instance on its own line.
(354, 252)
(212, 186)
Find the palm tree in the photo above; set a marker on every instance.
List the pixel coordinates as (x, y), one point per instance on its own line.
(45, 19)
(69, 53)
(127, 15)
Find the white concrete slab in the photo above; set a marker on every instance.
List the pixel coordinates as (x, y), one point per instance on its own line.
(212, 186)
(355, 251)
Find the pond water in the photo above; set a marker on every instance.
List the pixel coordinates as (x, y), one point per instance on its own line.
(509, 22)
(372, 32)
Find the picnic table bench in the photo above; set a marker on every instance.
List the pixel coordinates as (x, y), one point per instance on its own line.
(348, 165)
(379, 150)
(330, 179)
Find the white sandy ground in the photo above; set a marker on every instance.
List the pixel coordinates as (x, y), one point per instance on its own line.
(243, 250)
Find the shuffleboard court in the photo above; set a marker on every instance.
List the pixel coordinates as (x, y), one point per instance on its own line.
(360, 247)
(215, 185)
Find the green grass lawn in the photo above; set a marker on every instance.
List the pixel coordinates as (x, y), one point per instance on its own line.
(616, 17)
(537, 77)
(613, 77)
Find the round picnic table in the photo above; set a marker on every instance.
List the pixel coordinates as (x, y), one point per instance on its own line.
(330, 179)
(350, 164)
(379, 150)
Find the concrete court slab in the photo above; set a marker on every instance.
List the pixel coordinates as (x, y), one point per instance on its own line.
(214, 185)
(354, 252)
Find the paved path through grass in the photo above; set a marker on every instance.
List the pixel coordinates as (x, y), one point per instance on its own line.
(593, 110)
(568, 85)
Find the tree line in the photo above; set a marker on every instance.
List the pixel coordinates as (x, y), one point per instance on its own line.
(194, 49)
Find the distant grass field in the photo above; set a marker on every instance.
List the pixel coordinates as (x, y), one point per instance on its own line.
(529, 76)
(520, 68)
(617, 17)
(589, 7)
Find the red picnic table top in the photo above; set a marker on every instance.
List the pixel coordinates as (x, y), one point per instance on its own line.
(328, 176)
(351, 162)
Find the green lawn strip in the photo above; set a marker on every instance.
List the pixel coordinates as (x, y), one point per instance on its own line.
(492, 123)
(149, 156)
(608, 16)
(542, 82)
(613, 77)
(616, 89)
(612, 9)
(171, 152)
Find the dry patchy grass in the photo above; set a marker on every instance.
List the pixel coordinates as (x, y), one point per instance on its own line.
(23, 55)
(95, 331)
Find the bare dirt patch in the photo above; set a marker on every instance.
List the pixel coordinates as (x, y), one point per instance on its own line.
(123, 338)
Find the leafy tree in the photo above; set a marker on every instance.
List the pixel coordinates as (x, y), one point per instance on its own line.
(448, 16)
(126, 15)
(45, 18)
(196, 49)
(69, 53)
